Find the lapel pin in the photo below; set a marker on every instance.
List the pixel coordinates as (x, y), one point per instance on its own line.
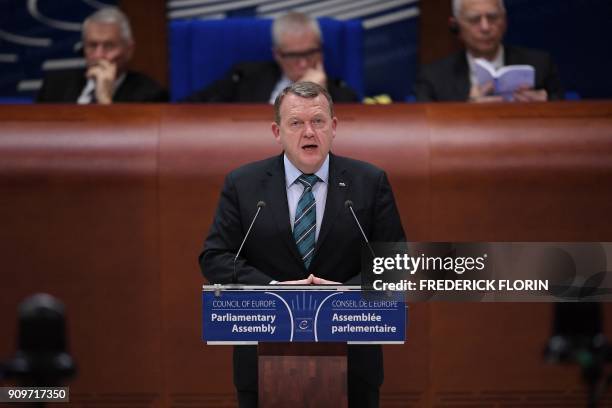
(341, 184)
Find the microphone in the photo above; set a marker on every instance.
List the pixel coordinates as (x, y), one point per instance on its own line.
(349, 204)
(260, 205)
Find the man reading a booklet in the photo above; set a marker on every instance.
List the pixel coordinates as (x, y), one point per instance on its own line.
(487, 71)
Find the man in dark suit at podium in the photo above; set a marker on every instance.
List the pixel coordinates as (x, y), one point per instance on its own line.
(304, 233)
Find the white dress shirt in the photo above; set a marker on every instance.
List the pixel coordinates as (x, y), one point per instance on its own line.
(295, 190)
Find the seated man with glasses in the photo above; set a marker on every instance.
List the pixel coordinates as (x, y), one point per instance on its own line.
(298, 57)
(108, 47)
(481, 25)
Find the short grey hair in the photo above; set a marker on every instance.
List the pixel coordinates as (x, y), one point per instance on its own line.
(111, 15)
(457, 6)
(291, 22)
(308, 90)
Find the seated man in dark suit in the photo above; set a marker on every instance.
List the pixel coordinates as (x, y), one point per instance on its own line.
(108, 47)
(481, 25)
(304, 235)
(298, 57)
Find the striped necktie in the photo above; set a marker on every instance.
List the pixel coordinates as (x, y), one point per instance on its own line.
(304, 227)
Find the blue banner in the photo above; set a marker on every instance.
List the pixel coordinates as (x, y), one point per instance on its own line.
(269, 314)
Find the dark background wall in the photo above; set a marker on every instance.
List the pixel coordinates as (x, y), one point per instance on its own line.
(576, 32)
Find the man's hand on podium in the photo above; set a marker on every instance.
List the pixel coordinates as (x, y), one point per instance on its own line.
(321, 281)
(310, 280)
(307, 281)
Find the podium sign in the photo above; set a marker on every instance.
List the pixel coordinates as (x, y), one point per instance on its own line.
(250, 314)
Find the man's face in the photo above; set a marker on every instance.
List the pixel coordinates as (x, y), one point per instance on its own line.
(103, 41)
(482, 25)
(306, 131)
(297, 52)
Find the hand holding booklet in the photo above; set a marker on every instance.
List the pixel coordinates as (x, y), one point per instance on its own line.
(506, 80)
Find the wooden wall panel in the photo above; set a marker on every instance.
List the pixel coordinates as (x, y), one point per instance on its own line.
(510, 173)
(79, 212)
(150, 32)
(107, 208)
(435, 38)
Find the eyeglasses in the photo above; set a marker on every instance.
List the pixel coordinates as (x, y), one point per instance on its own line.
(106, 45)
(297, 55)
(475, 19)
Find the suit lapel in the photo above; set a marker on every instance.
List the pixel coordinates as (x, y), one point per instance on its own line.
(509, 56)
(266, 82)
(337, 190)
(462, 73)
(275, 190)
(125, 90)
(73, 91)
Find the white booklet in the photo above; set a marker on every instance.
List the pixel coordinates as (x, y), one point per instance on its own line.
(505, 80)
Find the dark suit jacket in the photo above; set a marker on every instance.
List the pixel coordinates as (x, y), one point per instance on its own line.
(66, 86)
(270, 252)
(253, 82)
(449, 78)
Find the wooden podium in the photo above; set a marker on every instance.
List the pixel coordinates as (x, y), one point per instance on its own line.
(302, 375)
(301, 333)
